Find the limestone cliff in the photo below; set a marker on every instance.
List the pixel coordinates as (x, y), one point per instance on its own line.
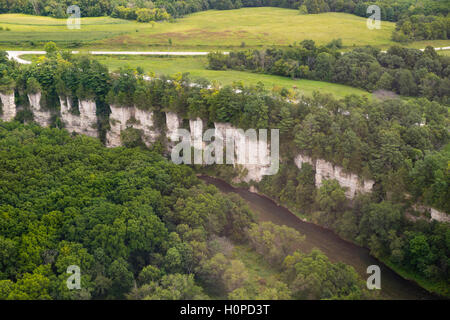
(326, 170)
(118, 122)
(434, 214)
(85, 123)
(145, 123)
(122, 118)
(173, 123)
(252, 155)
(88, 117)
(40, 116)
(71, 121)
(8, 106)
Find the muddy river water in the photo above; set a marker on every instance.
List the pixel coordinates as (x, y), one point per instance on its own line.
(393, 286)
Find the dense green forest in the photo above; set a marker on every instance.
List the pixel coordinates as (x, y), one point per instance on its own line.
(408, 72)
(139, 227)
(393, 141)
(401, 144)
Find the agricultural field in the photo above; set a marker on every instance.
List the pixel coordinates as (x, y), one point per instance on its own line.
(202, 31)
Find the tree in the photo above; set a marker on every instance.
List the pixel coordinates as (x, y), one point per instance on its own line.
(122, 278)
(175, 287)
(235, 275)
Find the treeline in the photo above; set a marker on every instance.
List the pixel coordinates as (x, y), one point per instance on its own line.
(391, 10)
(138, 227)
(420, 27)
(384, 140)
(140, 14)
(409, 72)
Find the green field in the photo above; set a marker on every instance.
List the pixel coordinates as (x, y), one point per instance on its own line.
(202, 31)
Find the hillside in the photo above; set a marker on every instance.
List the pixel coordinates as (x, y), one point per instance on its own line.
(205, 30)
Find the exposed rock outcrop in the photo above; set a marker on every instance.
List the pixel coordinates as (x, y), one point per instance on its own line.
(41, 117)
(250, 154)
(145, 123)
(173, 123)
(118, 122)
(122, 118)
(88, 117)
(71, 121)
(85, 123)
(8, 106)
(196, 127)
(434, 214)
(326, 170)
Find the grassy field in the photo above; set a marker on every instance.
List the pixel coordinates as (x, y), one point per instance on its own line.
(202, 31)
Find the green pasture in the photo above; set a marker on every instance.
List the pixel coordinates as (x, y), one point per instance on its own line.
(207, 30)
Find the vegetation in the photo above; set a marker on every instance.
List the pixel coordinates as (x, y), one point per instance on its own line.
(420, 27)
(138, 219)
(408, 72)
(138, 226)
(202, 31)
(197, 69)
(391, 10)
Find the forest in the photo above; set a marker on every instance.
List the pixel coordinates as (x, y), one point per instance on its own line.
(408, 72)
(401, 144)
(139, 227)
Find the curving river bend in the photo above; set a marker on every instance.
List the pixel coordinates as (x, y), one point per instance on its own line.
(393, 286)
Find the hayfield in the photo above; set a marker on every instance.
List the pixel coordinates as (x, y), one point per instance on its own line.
(252, 27)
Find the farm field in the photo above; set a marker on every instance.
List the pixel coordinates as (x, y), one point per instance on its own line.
(202, 31)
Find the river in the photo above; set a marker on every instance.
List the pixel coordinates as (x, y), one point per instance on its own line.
(393, 286)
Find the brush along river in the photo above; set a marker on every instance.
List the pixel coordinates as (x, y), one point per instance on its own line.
(393, 286)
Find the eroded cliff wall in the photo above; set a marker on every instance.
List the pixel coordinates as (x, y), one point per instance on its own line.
(122, 118)
(85, 122)
(326, 170)
(253, 155)
(40, 116)
(8, 106)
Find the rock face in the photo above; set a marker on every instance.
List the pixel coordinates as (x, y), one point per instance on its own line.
(326, 170)
(173, 123)
(145, 123)
(439, 216)
(196, 127)
(250, 154)
(8, 106)
(434, 214)
(118, 122)
(85, 123)
(88, 117)
(122, 118)
(42, 117)
(71, 121)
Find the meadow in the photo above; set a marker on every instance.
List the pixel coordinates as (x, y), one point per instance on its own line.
(202, 31)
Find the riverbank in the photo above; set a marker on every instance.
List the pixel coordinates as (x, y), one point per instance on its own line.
(394, 286)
